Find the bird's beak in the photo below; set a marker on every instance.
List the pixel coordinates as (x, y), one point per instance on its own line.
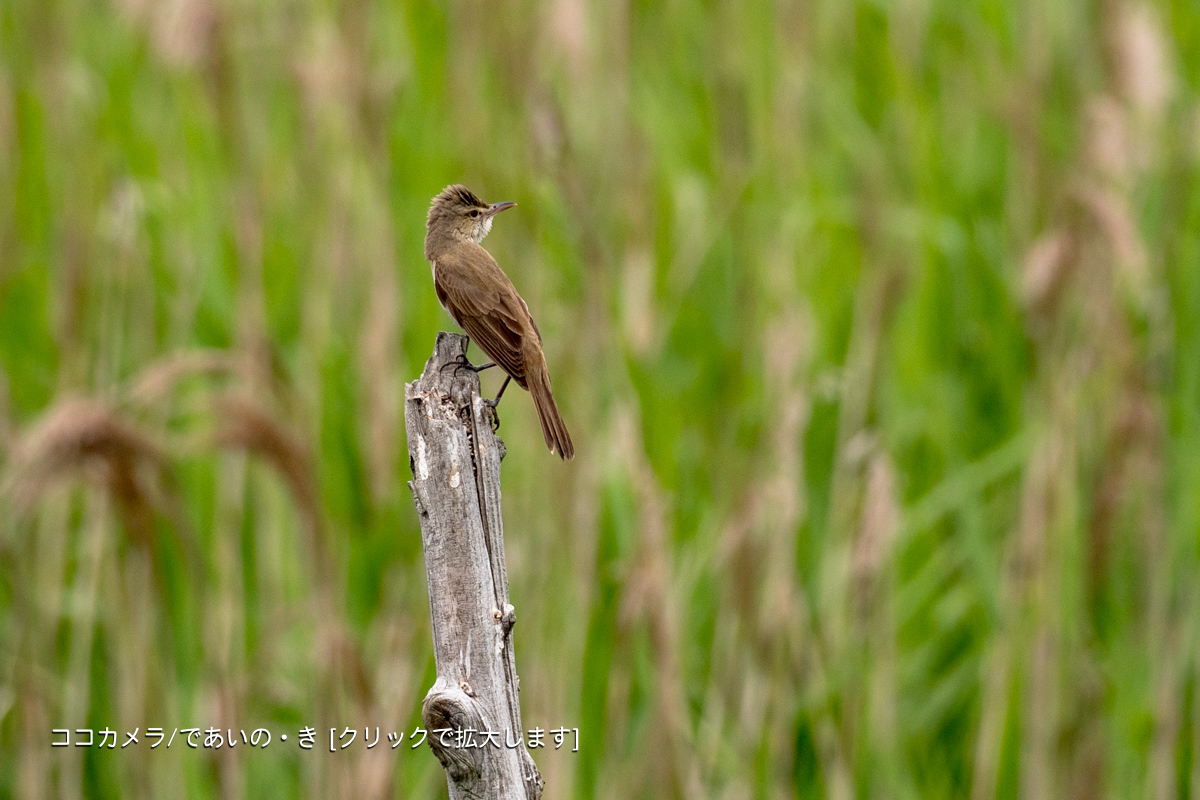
(498, 207)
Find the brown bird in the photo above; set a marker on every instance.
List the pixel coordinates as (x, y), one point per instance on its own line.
(474, 290)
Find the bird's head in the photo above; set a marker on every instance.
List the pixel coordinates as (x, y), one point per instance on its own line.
(458, 212)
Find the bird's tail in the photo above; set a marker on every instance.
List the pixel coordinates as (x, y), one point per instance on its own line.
(554, 430)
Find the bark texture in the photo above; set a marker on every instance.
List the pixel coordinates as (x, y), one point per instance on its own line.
(455, 458)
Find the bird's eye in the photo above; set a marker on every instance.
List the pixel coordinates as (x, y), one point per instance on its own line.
(475, 212)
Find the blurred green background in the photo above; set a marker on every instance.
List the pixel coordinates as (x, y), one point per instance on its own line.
(875, 325)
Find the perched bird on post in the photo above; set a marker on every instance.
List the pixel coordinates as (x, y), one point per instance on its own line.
(478, 295)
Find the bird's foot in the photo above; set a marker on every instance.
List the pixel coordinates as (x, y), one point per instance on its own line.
(491, 404)
(462, 363)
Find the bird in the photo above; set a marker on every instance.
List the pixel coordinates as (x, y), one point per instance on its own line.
(482, 300)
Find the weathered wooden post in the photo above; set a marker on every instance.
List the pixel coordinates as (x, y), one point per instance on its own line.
(472, 711)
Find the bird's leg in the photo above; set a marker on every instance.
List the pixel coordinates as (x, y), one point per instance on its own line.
(493, 403)
(500, 393)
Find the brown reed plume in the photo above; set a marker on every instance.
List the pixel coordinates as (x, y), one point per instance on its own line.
(244, 424)
(87, 438)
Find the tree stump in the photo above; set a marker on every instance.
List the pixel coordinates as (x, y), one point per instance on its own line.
(472, 712)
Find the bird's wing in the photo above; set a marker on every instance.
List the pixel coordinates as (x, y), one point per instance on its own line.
(529, 317)
(487, 307)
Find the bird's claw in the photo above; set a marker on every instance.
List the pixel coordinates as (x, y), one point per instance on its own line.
(491, 405)
(461, 362)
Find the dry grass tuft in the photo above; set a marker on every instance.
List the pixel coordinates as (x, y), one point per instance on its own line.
(88, 439)
(83, 437)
